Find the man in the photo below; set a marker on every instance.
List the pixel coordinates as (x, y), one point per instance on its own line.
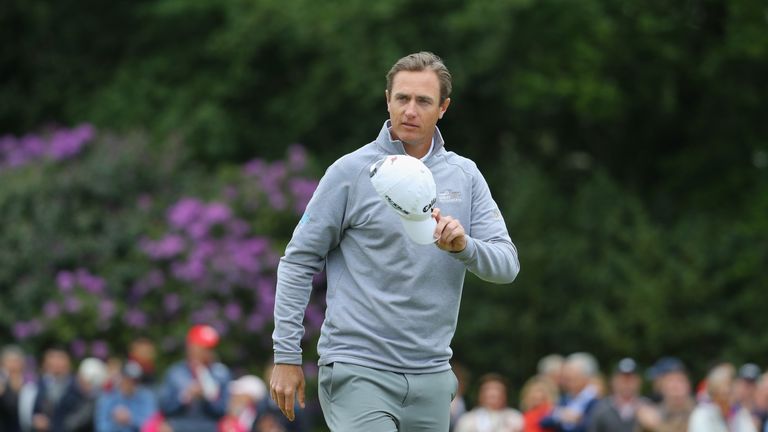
(392, 303)
(745, 388)
(57, 395)
(551, 368)
(719, 414)
(127, 407)
(195, 391)
(618, 412)
(656, 374)
(581, 395)
(11, 383)
(91, 376)
(760, 412)
(673, 387)
(143, 351)
(492, 413)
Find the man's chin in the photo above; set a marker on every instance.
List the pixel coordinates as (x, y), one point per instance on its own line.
(411, 139)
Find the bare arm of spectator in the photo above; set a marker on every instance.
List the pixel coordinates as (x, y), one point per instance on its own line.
(218, 407)
(649, 418)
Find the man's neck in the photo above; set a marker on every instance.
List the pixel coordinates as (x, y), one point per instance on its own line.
(417, 150)
(624, 399)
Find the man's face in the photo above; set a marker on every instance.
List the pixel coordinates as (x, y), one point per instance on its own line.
(675, 386)
(493, 396)
(57, 363)
(197, 354)
(626, 385)
(744, 391)
(761, 394)
(13, 364)
(574, 380)
(414, 106)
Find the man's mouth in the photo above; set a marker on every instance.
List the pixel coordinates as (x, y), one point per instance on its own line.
(410, 125)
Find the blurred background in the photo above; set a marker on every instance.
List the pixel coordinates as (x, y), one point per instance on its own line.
(156, 155)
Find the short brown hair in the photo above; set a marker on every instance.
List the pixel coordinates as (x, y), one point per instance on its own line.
(492, 377)
(418, 62)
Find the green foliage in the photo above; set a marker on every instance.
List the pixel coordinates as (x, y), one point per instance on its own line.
(636, 192)
(599, 275)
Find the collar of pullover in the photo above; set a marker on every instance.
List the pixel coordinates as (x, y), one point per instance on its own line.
(390, 146)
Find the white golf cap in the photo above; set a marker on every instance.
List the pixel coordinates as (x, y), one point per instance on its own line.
(406, 184)
(249, 385)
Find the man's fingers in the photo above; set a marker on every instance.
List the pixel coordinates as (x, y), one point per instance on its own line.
(455, 233)
(301, 393)
(436, 214)
(442, 222)
(448, 229)
(287, 407)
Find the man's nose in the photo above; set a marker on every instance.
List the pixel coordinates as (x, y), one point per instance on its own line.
(410, 109)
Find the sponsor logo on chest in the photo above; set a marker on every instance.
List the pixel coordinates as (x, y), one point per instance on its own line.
(449, 196)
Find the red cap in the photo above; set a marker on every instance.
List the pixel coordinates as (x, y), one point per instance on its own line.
(203, 335)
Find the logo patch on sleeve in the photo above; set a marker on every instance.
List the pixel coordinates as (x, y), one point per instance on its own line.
(303, 221)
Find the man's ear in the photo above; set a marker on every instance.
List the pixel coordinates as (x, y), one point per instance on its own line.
(444, 107)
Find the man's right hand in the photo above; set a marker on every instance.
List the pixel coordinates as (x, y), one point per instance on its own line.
(286, 384)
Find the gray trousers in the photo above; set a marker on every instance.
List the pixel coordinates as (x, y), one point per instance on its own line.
(360, 399)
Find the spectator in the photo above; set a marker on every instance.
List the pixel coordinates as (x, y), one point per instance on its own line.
(761, 404)
(537, 400)
(91, 376)
(114, 370)
(492, 413)
(144, 352)
(245, 394)
(128, 406)
(574, 409)
(11, 383)
(551, 367)
(57, 393)
(618, 412)
(717, 414)
(656, 374)
(195, 391)
(745, 386)
(674, 392)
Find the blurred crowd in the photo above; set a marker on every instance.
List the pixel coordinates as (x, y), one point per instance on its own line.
(199, 394)
(196, 394)
(571, 394)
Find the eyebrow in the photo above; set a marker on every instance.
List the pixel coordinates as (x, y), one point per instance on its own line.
(419, 97)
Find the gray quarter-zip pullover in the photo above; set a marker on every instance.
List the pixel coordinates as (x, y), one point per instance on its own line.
(392, 304)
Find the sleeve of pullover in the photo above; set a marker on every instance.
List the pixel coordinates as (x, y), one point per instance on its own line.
(318, 232)
(490, 253)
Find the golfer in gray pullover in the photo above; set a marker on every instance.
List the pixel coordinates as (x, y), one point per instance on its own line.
(393, 304)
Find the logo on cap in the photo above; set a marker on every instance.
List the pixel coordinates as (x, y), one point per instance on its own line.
(407, 186)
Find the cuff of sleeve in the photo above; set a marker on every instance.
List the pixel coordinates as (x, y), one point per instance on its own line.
(468, 253)
(288, 358)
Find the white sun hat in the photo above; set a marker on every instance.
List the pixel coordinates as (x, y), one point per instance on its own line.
(407, 185)
(249, 385)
